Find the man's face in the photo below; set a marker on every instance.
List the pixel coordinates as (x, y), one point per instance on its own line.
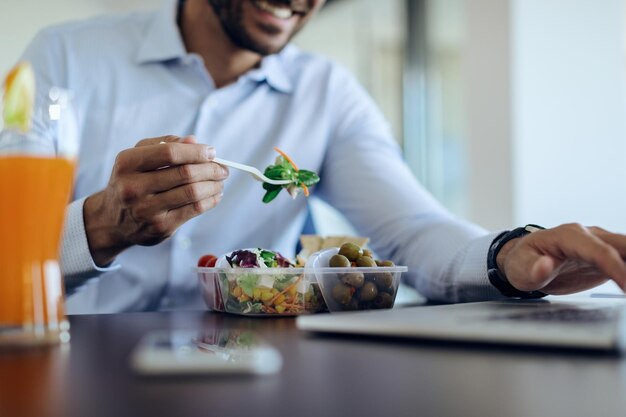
(264, 26)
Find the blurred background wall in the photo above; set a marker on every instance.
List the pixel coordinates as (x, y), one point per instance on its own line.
(509, 111)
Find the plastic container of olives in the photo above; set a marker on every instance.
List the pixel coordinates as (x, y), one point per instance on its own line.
(356, 281)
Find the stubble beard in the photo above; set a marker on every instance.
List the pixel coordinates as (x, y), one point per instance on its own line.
(231, 19)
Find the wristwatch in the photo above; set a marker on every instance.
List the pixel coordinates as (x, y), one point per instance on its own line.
(497, 277)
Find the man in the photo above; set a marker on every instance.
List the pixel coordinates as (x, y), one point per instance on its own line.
(221, 77)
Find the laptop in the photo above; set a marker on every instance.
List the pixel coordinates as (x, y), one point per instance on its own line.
(588, 324)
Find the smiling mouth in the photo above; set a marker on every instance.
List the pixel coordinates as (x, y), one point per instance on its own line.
(278, 11)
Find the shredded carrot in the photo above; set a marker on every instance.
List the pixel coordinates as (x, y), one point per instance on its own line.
(271, 301)
(305, 189)
(269, 309)
(284, 155)
(293, 306)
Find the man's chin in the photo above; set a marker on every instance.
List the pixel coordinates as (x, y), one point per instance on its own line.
(266, 48)
(270, 50)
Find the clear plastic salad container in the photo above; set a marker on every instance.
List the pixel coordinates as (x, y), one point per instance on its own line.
(259, 282)
(266, 291)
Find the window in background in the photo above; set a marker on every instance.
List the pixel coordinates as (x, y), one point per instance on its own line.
(408, 55)
(368, 38)
(434, 119)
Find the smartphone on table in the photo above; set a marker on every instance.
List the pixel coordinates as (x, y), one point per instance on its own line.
(188, 352)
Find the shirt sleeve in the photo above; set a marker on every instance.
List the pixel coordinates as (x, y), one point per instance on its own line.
(365, 178)
(77, 263)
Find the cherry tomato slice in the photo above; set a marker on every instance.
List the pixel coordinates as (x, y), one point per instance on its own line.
(207, 261)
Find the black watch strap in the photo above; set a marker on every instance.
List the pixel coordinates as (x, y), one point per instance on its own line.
(497, 277)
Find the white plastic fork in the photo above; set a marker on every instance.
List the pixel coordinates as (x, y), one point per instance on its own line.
(258, 175)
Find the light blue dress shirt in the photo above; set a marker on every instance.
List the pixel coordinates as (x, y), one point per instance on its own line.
(133, 79)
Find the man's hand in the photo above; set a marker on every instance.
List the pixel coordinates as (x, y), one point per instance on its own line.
(566, 259)
(154, 188)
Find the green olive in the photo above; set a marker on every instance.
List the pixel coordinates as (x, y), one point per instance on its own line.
(352, 305)
(367, 252)
(342, 294)
(383, 280)
(368, 292)
(379, 263)
(365, 262)
(339, 261)
(383, 300)
(387, 263)
(354, 279)
(350, 251)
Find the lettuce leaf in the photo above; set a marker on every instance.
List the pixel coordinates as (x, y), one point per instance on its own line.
(248, 283)
(283, 170)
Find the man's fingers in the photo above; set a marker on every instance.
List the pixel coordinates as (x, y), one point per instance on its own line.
(178, 197)
(615, 240)
(175, 176)
(576, 242)
(530, 269)
(151, 157)
(189, 139)
(186, 212)
(165, 223)
(543, 267)
(618, 243)
(166, 139)
(566, 252)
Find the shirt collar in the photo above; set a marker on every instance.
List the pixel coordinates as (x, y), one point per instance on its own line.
(163, 42)
(273, 70)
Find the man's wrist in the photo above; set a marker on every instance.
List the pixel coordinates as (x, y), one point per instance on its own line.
(504, 251)
(496, 259)
(102, 238)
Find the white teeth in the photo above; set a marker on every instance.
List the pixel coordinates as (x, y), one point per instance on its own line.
(276, 11)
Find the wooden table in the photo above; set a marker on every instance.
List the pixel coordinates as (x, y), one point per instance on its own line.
(321, 376)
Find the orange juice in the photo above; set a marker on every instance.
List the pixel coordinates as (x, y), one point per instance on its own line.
(34, 192)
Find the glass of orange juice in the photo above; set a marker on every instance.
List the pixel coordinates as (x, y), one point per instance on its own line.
(36, 175)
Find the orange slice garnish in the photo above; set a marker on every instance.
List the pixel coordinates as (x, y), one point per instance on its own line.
(19, 97)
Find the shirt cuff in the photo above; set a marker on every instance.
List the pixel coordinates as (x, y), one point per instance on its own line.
(472, 283)
(77, 264)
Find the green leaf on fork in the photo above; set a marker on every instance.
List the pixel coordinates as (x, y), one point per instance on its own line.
(285, 169)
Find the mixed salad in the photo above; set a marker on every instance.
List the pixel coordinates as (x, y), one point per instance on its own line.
(255, 292)
(285, 169)
(257, 258)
